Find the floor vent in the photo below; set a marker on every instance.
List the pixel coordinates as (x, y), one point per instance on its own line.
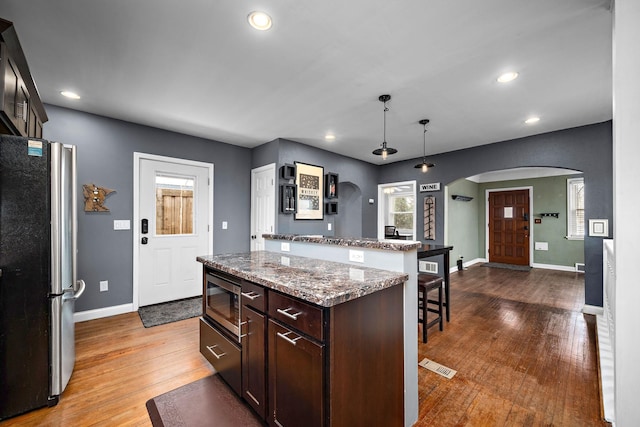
(580, 267)
(428, 267)
(437, 368)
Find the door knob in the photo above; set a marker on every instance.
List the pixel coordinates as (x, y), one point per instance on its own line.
(144, 240)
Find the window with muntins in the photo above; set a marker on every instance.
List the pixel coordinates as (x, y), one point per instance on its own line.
(401, 212)
(575, 208)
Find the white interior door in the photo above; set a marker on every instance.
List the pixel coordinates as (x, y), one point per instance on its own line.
(263, 204)
(174, 203)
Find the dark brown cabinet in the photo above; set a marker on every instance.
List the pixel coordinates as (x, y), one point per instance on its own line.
(308, 365)
(254, 387)
(295, 378)
(22, 111)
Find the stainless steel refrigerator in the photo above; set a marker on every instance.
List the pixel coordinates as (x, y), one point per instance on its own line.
(38, 284)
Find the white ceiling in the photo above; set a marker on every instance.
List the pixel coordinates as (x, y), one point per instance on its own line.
(196, 67)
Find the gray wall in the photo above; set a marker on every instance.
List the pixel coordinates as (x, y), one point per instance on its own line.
(105, 158)
(360, 174)
(587, 149)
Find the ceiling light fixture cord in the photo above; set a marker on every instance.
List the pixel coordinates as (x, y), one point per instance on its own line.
(384, 151)
(424, 166)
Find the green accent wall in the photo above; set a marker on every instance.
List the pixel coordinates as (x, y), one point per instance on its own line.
(462, 222)
(549, 195)
(466, 221)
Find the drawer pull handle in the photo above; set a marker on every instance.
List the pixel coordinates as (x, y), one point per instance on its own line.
(211, 347)
(293, 316)
(241, 325)
(286, 338)
(251, 295)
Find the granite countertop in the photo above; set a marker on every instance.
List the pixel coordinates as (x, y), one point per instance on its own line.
(389, 245)
(324, 283)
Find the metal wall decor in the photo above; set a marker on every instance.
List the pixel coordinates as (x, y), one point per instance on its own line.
(430, 218)
(94, 197)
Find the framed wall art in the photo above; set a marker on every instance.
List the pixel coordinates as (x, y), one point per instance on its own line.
(309, 198)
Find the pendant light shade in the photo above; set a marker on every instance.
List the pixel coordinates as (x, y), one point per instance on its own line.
(424, 166)
(384, 151)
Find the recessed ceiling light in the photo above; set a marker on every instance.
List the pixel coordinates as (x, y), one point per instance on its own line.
(330, 137)
(71, 95)
(259, 20)
(507, 77)
(532, 120)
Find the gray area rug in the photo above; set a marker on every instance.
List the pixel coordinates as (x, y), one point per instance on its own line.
(172, 311)
(507, 266)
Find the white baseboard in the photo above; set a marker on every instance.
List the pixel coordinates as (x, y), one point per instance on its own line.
(555, 267)
(99, 313)
(467, 264)
(592, 309)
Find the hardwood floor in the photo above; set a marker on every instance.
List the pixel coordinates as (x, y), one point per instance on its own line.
(120, 365)
(524, 352)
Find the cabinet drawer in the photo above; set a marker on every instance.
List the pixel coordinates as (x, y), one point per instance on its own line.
(223, 354)
(254, 296)
(297, 314)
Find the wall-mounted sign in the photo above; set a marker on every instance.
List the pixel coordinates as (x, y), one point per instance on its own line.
(434, 186)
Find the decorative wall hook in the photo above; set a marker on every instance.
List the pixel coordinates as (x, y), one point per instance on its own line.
(94, 197)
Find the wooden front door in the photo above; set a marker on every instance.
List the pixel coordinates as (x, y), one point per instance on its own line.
(509, 227)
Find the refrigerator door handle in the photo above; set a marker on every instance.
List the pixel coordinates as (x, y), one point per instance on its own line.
(80, 289)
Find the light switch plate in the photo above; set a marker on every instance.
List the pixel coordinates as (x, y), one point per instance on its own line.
(121, 224)
(285, 247)
(104, 285)
(225, 225)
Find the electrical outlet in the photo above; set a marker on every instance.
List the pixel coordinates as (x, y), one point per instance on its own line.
(225, 225)
(285, 247)
(104, 285)
(356, 256)
(329, 226)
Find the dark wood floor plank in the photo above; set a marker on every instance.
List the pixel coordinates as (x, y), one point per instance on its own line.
(524, 352)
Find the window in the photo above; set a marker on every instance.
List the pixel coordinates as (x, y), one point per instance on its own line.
(575, 208)
(401, 212)
(174, 204)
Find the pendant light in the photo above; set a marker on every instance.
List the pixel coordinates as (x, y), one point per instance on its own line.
(424, 165)
(384, 151)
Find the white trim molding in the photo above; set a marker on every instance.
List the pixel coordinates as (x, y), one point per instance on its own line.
(99, 313)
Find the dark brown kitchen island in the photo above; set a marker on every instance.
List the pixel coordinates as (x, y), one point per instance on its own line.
(317, 343)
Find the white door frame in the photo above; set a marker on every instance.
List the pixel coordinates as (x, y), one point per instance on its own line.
(137, 158)
(272, 167)
(382, 206)
(486, 213)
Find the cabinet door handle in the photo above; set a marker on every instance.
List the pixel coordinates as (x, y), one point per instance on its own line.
(211, 347)
(293, 316)
(251, 295)
(286, 338)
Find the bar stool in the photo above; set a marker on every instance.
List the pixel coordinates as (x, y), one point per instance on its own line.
(427, 283)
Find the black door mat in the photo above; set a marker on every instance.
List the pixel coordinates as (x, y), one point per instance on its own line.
(507, 266)
(172, 311)
(206, 402)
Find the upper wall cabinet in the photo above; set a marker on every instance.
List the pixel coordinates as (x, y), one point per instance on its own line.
(22, 112)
